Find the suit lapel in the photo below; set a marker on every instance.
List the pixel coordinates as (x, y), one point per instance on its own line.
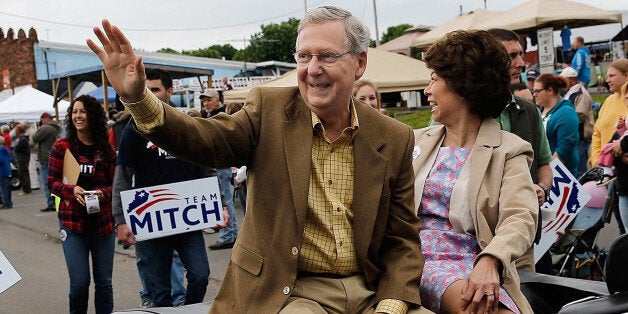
(369, 173)
(488, 138)
(428, 145)
(297, 135)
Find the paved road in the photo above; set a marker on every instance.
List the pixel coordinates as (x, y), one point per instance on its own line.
(30, 240)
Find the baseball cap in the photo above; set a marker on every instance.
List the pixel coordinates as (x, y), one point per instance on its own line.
(47, 115)
(210, 93)
(569, 72)
(532, 74)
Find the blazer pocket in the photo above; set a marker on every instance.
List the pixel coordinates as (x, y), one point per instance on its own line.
(247, 259)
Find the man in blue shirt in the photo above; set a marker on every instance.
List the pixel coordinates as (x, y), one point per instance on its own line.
(581, 61)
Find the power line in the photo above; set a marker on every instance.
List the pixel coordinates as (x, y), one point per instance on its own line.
(159, 30)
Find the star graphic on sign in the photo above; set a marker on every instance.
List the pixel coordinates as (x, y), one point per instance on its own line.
(142, 194)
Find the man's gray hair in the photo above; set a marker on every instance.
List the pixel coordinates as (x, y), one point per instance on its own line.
(358, 37)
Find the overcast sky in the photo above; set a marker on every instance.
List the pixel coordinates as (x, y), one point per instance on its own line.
(154, 24)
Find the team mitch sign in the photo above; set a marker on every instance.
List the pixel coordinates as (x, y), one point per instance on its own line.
(168, 209)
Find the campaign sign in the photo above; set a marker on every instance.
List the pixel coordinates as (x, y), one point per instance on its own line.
(164, 210)
(8, 274)
(567, 197)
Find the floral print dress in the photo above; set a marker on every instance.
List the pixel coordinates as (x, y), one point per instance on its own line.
(449, 255)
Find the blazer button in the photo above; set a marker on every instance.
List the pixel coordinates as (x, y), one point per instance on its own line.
(295, 251)
(286, 290)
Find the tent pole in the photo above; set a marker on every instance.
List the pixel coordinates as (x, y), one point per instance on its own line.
(70, 89)
(105, 93)
(55, 93)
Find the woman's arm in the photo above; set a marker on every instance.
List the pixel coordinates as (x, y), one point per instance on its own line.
(55, 174)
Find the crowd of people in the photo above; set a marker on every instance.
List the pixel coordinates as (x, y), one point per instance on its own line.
(339, 195)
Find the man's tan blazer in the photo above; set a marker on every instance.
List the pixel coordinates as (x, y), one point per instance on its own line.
(272, 135)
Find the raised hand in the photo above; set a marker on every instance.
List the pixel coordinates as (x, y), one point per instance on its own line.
(125, 70)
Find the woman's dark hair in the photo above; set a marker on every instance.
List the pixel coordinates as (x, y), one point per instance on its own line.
(475, 66)
(97, 124)
(552, 81)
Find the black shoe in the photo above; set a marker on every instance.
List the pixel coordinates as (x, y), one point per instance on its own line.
(48, 209)
(221, 246)
(11, 206)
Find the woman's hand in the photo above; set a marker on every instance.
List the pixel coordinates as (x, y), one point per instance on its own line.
(78, 194)
(617, 149)
(482, 283)
(621, 122)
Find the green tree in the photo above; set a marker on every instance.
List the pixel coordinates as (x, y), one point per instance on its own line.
(394, 32)
(274, 42)
(168, 50)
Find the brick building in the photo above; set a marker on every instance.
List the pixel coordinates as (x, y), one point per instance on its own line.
(17, 58)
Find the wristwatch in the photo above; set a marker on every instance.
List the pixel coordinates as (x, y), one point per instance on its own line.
(546, 190)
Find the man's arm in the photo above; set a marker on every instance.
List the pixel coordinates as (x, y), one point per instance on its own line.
(122, 180)
(400, 253)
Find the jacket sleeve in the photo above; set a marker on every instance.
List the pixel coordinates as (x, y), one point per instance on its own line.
(518, 211)
(121, 182)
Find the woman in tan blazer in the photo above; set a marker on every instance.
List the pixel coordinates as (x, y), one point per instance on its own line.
(473, 189)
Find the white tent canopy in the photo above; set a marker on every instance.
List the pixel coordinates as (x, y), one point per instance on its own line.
(28, 104)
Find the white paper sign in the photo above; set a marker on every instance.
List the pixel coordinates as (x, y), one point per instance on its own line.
(566, 199)
(164, 210)
(8, 274)
(546, 47)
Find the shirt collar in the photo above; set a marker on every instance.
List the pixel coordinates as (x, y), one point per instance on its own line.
(318, 125)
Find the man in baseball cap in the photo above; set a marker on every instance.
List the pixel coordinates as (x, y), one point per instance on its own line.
(581, 99)
(46, 115)
(531, 75)
(211, 102)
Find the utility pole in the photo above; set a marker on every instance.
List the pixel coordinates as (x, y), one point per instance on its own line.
(304, 7)
(484, 4)
(376, 28)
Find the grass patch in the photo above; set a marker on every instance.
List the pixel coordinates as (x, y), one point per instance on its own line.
(416, 119)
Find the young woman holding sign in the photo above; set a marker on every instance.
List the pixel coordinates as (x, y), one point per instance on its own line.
(86, 223)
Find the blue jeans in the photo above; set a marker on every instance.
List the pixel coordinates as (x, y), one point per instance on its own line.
(158, 254)
(229, 234)
(5, 185)
(43, 172)
(177, 289)
(77, 248)
(583, 152)
(241, 194)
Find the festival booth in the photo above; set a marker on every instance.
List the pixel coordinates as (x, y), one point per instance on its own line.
(28, 104)
(390, 72)
(462, 22)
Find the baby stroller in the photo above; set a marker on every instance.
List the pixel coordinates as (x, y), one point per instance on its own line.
(576, 254)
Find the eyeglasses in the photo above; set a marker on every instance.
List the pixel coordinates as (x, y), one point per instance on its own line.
(324, 57)
(534, 91)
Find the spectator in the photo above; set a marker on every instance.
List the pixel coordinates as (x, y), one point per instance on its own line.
(560, 119)
(47, 134)
(225, 83)
(86, 231)
(612, 108)
(531, 76)
(581, 61)
(580, 97)
(23, 158)
(521, 90)
(366, 92)
(142, 164)
(5, 130)
(5, 175)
